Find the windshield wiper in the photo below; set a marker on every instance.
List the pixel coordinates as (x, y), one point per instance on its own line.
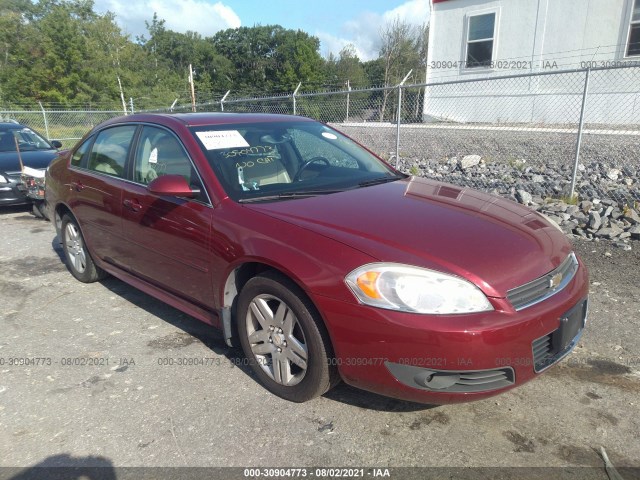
(378, 181)
(288, 195)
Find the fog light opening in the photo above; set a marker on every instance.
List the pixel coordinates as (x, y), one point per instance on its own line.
(437, 380)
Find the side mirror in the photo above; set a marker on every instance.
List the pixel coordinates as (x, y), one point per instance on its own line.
(56, 144)
(172, 185)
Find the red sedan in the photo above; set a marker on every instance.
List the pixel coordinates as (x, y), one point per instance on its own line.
(319, 259)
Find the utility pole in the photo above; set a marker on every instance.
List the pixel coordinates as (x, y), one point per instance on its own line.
(124, 104)
(193, 91)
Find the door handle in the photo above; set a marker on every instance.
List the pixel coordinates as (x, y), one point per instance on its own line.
(132, 205)
(78, 186)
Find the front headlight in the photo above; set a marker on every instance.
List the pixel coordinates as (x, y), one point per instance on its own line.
(411, 289)
(3, 179)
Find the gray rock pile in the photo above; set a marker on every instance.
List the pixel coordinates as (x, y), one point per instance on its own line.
(593, 219)
(596, 180)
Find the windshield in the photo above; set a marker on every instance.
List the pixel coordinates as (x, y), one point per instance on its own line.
(278, 160)
(28, 140)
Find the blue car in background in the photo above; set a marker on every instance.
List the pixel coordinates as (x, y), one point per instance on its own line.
(21, 147)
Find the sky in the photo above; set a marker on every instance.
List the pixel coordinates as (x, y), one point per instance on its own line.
(335, 22)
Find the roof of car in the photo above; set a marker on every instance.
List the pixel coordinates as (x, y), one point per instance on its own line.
(200, 119)
(11, 125)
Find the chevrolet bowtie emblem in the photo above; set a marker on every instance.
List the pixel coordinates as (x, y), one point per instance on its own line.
(555, 280)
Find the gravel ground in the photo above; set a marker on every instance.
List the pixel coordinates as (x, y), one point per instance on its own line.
(102, 395)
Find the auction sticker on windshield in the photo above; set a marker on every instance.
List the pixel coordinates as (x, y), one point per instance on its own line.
(217, 140)
(330, 136)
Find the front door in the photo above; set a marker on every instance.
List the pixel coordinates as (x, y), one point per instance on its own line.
(168, 238)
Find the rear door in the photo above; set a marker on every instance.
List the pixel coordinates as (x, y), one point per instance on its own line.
(97, 174)
(167, 238)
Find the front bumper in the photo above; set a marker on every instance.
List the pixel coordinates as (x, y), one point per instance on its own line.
(14, 192)
(404, 355)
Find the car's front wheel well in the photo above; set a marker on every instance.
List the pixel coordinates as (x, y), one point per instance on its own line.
(238, 278)
(234, 284)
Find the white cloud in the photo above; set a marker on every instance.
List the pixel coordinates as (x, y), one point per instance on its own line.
(414, 11)
(364, 30)
(333, 44)
(179, 15)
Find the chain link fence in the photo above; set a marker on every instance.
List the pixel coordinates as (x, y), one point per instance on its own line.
(544, 135)
(527, 136)
(66, 126)
(550, 134)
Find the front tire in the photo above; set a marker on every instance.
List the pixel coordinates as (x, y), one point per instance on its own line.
(284, 338)
(38, 210)
(79, 261)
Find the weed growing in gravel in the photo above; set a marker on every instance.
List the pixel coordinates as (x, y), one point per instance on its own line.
(517, 163)
(569, 200)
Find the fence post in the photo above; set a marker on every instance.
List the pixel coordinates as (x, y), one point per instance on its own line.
(398, 120)
(294, 98)
(223, 99)
(46, 124)
(574, 174)
(348, 99)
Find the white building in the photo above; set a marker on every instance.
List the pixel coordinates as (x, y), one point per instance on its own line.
(472, 39)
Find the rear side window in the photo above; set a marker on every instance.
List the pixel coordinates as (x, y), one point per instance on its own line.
(80, 153)
(110, 150)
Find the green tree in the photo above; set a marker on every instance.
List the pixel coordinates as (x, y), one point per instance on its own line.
(346, 68)
(270, 58)
(171, 53)
(401, 50)
(16, 34)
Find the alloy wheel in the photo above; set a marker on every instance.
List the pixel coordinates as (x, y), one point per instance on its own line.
(75, 248)
(277, 340)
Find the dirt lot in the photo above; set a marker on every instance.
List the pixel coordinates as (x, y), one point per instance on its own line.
(97, 386)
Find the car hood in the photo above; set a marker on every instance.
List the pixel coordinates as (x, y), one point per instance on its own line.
(493, 242)
(35, 159)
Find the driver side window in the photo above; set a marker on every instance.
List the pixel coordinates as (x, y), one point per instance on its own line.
(160, 153)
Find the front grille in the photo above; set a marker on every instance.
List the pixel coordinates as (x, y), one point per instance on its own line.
(544, 287)
(452, 381)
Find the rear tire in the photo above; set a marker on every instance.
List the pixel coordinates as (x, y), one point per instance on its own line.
(284, 338)
(79, 261)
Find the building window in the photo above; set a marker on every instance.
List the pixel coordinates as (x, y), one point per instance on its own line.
(633, 46)
(480, 40)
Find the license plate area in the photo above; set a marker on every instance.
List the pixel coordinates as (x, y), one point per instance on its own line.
(571, 324)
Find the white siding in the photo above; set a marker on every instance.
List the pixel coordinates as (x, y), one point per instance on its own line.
(533, 36)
